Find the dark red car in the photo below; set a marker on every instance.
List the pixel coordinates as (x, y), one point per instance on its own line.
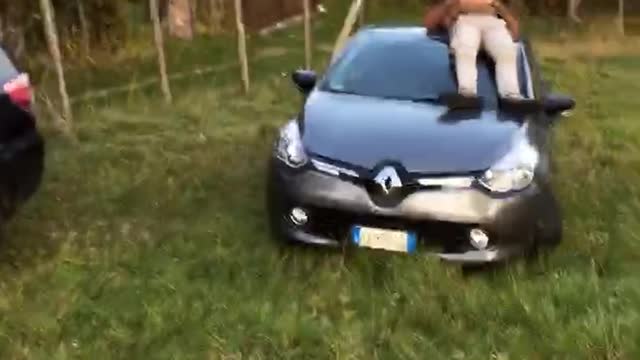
(21, 144)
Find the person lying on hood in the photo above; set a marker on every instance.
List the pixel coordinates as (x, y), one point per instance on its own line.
(476, 24)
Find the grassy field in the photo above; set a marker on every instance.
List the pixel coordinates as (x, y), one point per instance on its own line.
(148, 238)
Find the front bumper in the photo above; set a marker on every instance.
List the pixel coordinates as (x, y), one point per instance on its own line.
(442, 218)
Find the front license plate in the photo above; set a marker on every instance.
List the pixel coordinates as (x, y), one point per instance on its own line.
(384, 239)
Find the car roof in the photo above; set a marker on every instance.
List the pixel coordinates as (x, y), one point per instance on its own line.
(393, 33)
(405, 32)
(438, 40)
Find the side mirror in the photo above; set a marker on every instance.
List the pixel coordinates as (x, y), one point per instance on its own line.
(305, 80)
(554, 104)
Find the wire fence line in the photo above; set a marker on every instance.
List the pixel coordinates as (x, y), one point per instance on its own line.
(151, 81)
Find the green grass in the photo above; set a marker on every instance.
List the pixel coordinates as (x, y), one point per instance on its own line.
(148, 240)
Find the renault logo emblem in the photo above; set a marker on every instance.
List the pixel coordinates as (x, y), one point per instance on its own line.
(388, 180)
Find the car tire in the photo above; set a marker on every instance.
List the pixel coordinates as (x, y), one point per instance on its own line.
(22, 178)
(8, 203)
(276, 233)
(548, 232)
(275, 208)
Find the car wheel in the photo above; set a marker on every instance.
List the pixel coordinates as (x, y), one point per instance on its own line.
(275, 208)
(8, 203)
(478, 269)
(548, 231)
(22, 178)
(277, 235)
(30, 172)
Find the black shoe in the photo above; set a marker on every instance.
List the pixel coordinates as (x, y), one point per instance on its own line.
(459, 101)
(520, 105)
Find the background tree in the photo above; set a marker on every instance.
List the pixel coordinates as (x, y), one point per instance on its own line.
(54, 49)
(572, 10)
(159, 43)
(180, 14)
(242, 45)
(216, 14)
(84, 27)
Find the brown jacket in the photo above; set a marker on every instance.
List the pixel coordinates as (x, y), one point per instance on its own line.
(441, 17)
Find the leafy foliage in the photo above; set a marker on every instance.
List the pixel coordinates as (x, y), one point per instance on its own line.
(109, 21)
(21, 24)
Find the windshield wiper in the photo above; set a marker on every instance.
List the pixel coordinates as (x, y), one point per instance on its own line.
(426, 99)
(429, 99)
(338, 91)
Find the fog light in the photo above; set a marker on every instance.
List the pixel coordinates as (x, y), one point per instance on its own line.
(298, 216)
(479, 239)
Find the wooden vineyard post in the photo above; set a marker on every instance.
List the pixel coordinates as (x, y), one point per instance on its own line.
(84, 27)
(349, 23)
(361, 16)
(621, 16)
(572, 10)
(54, 49)
(308, 46)
(242, 46)
(216, 14)
(159, 43)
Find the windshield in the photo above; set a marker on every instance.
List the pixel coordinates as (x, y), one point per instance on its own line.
(413, 69)
(7, 70)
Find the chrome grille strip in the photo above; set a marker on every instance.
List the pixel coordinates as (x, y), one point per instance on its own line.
(448, 182)
(445, 182)
(332, 169)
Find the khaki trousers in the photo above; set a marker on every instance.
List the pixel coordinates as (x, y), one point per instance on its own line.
(473, 31)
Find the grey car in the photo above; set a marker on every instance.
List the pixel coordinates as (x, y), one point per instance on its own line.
(377, 159)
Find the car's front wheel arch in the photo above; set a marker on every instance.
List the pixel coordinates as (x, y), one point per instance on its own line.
(548, 227)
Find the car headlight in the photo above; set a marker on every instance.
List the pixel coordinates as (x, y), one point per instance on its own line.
(289, 146)
(515, 171)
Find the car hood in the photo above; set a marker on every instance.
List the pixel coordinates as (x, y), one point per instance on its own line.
(424, 137)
